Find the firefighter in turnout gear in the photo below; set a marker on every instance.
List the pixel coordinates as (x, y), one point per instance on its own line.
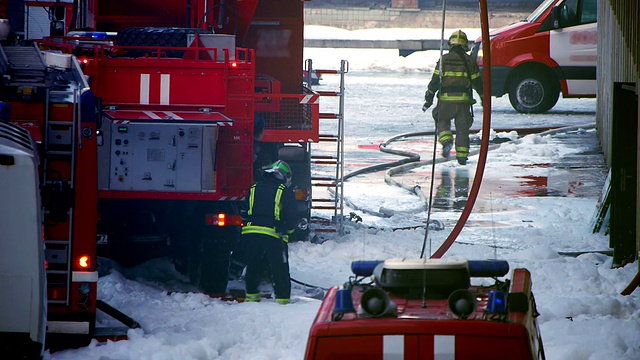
(454, 78)
(270, 220)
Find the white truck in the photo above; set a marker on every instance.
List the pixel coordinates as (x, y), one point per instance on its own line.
(23, 298)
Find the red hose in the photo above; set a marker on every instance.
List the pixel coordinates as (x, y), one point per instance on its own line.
(632, 285)
(486, 125)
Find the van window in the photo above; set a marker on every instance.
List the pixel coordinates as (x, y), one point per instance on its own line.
(589, 11)
(569, 13)
(578, 12)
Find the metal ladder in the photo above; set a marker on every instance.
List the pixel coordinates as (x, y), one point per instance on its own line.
(59, 143)
(25, 67)
(334, 158)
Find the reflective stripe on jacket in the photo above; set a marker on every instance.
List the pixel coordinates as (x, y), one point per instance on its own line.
(265, 212)
(455, 82)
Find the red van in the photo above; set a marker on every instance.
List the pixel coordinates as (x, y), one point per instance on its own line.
(553, 50)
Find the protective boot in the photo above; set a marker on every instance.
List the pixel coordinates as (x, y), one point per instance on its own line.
(446, 149)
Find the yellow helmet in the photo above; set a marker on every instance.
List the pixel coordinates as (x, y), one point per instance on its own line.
(459, 38)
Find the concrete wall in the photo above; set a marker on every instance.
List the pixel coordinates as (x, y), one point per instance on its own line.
(618, 61)
(365, 18)
(619, 58)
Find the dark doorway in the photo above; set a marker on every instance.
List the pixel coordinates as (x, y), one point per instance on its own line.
(624, 173)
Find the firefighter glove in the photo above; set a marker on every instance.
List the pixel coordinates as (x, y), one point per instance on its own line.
(428, 100)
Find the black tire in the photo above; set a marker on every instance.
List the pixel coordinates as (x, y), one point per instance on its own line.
(149, 36)
(533, 93)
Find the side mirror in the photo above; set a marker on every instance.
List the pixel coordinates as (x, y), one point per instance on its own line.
(556, 12)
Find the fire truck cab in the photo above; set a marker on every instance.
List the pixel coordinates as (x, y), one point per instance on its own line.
(552, 51)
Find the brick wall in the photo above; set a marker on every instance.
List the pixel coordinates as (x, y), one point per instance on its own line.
(365, 18)
(404, 4)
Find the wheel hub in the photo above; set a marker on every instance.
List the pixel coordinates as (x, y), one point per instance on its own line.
(530, 93)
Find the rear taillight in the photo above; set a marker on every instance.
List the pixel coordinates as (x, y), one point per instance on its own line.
(223, 219)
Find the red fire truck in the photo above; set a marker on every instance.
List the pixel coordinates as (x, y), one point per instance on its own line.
(552, 51)
(153, 131)
(428, 309)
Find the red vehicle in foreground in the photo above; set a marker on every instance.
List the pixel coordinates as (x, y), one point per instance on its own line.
(428, 309)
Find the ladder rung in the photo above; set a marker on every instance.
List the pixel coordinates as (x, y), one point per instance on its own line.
(328, 93)
(56, 301)
(320, 221)
(63, 123)
(57, 152)
(320, 207)
(326, 139)
(61, 92)
(328, 136)
(323, 157)
(60, 272)
(320, 72)
(323, 200)
(329, 116)
(323, 178)
(325, 162)
(325, 184)
(57, 242)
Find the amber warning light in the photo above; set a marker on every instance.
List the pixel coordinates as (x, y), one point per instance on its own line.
(223, 219)
(84, 262)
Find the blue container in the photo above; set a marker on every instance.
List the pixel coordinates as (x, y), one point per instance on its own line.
(364, 267)
(344, 303)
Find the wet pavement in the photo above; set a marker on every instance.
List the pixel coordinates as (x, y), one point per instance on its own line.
(580, 171)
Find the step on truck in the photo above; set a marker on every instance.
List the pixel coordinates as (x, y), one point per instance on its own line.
(552, 51)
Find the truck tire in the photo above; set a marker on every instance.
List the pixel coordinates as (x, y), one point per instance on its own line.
(533, 93)
(149, 36)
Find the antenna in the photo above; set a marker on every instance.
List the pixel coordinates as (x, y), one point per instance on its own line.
(493, 227)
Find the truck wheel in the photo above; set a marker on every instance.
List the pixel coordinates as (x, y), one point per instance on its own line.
(149, 36)
(532, 94)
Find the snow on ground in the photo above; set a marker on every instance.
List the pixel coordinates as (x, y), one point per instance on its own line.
(583, 315)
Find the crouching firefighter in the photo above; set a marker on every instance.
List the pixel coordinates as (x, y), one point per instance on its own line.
(270, 220)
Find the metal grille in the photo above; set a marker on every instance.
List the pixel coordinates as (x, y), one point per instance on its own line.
(285, 111)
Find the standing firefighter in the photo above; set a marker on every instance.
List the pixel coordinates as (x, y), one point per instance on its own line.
(454, 78)
(270, 220)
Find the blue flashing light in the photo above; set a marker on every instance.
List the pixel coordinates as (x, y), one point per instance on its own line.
(98, 35)
(488, 268)
(364, 267)
(497, 303)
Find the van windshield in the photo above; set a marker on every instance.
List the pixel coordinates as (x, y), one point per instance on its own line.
(537, 12)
